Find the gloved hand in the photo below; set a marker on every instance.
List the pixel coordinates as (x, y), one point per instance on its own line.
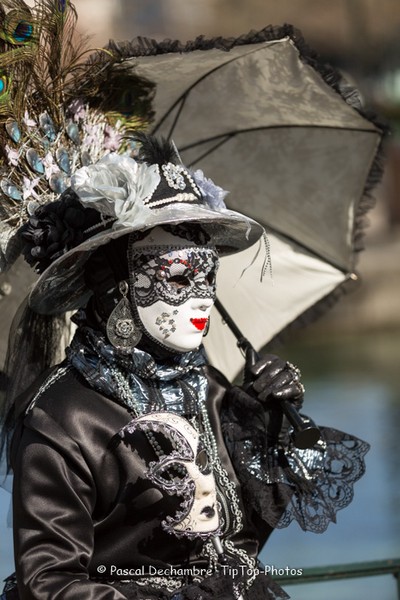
(257, 403)
(272, 380)
(269, 401)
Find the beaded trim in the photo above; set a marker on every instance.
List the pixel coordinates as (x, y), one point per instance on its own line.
(55, 376)
(180, 197)
(125, 392)
(104, 222)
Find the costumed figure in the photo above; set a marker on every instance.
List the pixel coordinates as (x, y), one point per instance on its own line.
(140, 472)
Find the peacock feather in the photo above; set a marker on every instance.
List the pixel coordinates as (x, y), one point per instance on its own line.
(62, 106)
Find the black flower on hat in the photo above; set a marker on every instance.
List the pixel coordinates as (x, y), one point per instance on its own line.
(54, 229)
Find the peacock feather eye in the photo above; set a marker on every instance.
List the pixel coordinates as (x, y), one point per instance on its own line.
(17, 28)
(61, 5)
(5, 82)
(23, 32)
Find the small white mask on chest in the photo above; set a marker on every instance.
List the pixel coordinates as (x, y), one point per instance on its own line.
(186, 472)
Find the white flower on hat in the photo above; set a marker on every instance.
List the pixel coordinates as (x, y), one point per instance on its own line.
(116, 186)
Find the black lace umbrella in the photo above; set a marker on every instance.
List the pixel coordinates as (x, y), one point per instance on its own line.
(288, 137)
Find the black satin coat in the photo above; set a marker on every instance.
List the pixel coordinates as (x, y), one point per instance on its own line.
(82, 505)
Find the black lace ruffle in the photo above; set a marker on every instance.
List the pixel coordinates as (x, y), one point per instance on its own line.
(332, 483)
(283, 484)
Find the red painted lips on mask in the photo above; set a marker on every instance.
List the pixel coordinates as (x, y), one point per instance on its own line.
(199, 323)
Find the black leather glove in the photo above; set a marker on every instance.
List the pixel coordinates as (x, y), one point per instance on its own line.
(272, 380)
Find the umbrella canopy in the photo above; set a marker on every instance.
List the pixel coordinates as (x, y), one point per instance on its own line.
(287, 137)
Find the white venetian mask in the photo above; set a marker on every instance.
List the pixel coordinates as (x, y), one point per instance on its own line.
(174, 288)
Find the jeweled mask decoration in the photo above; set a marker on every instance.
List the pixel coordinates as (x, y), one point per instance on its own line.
(173, 287)
(185, 471)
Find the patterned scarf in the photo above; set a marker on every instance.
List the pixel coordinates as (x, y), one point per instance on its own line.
(176, 384)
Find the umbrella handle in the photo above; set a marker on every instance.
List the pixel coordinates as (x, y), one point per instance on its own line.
(305, 433)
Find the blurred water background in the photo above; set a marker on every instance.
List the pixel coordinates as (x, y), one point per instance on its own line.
(353, 385)
(349, 359)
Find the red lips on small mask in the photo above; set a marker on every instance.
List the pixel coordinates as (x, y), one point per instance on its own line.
(199, 323)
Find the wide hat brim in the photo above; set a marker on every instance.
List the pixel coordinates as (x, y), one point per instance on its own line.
(61, 287)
